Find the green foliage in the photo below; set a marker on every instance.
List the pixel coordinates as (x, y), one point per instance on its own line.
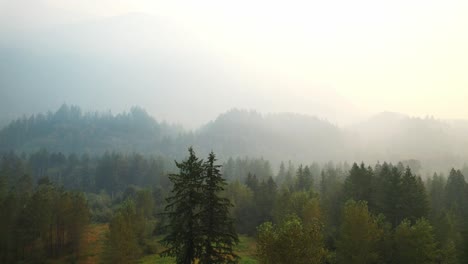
(291, 242)
(242, 199)
(387, 193)
(123, 239)
(358, 185)
(359, 235)
(305, 205)
(304, 180)
(46, 222)
(219, 235)
(415, 243)
(260, 209)
(436, 196)
(199, 227)
(68, 130)
(331, 200)
(414, 201)
(399, 194)
(184, 239)
(43, 222)
(455, 192)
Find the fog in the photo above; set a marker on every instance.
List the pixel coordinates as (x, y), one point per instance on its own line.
(266, 131)
(187, 63)
(390, 77)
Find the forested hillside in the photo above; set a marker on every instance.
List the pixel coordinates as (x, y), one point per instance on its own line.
(236, 133)
(436, 144)
(68, 130)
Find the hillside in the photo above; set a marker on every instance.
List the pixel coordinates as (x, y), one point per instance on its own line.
(68, 130)
(235, 133)
(437, 144)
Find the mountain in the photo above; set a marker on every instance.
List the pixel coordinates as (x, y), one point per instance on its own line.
(138, 59)
(68, 130)
(281, 136)
(391, 137)
(234, 133)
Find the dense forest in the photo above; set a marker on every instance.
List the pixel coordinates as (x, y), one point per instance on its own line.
(279, 192)
(276, 137)
(301, 213)
(247, 132)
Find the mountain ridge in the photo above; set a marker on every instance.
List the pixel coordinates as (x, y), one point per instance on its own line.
(240, 133)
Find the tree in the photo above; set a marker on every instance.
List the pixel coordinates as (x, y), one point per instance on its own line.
(414, 201)
(358, 186)
(455, 192)
(199, 222)
(291, 242)
(436, 197)
(122, 240)
(359, 234)
(331, 200)
(217, 227)
(415, 244)
(456, 202)
(242, 198)
(184, 240)
(388, 193)
(304, 181)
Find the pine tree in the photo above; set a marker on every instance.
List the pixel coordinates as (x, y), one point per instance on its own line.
(184, 239)
(358, 186)
(217, 227)
(199, 223)
(414, 202)
(304, 181)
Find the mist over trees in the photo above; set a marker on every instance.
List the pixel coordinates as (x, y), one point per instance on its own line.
(329, 212)
(239, 133)
(116, 171)
(290, 159)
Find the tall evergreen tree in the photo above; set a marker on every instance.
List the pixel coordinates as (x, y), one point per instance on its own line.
(184, 238)
(217, 227)
(358, 186)
(199, 223)
(414, 202)
(304, 181)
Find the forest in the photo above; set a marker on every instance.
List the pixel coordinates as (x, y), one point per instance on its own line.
(300, 213)
(249, 132)
(241, 133)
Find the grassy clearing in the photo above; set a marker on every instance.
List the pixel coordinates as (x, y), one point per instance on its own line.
(245, 249)
(93, 240)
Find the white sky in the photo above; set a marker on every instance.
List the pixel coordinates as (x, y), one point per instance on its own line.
(404, 56)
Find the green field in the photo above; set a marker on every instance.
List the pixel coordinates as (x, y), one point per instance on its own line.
(245, 249)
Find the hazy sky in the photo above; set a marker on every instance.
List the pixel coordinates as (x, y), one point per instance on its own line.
(403, 56)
